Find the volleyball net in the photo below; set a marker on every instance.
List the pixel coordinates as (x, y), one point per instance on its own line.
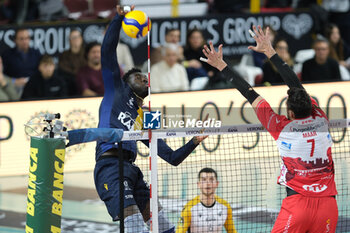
(247, 163)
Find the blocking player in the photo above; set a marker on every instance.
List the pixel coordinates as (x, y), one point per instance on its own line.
(304, 144)
(206, 212)
(121, 108)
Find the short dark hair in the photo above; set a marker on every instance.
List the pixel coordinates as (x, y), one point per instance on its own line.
(299, 102)
(169, 30)
(89, 46)
(207, 170)
(47, 59)
(130, 72)
(320, 40)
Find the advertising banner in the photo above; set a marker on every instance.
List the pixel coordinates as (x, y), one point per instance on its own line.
(230, 30)
(225, 106)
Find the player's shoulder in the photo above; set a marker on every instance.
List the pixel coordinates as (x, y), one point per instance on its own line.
(192, 203)
(222, 201)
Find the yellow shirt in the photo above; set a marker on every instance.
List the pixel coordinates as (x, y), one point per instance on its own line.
(199, 218)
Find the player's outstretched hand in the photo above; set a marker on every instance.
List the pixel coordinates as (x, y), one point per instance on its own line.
(263, 43)
(122, 11)
(199, 139)
(214, 58)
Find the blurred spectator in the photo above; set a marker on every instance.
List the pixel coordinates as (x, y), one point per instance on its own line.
(7, 88)
(21, 62)
(70, 61)
(270, 73)
(172, 36)
(46, 83)
(89, 77)
(230, 6)
(125, 59)
(321, 67)
(193, 51)
(339, 14)
(338, 49)
(18, 11)
(259, 58)
(50, 10)
(168, 75)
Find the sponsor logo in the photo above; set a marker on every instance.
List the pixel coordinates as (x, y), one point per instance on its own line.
(138, 134)
(130, 103)
(171, 133)
(151, 120)
(285, 145)
(297, 25)
(191, 132)
(316, 188)
(181, 221)
(129, 196)
(191, 123)
(232, 130)
(126, 119)
(255, 128)
(328, 225)
(126, 185)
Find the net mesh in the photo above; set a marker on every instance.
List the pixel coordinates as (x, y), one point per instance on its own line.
(248, 165)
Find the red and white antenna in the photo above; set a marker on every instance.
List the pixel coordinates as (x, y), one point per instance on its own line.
(153, 149)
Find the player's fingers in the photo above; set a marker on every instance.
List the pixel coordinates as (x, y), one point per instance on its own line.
(206, 49)
(205, 52)
(132, 7)
(220, 50)
(252, 48)
(267, 33)
(261, 31)
(211, 46)
(257, 34)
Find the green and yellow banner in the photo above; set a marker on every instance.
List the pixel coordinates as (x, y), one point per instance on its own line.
(45, 185)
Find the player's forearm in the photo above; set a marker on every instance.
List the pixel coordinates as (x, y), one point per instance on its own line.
(110, 42)
(177, 156)
(287, 74)
(242, 86)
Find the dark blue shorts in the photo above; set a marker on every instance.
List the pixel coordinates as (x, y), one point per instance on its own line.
(106, 177)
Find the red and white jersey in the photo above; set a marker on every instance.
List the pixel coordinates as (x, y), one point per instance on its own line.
(305, 148)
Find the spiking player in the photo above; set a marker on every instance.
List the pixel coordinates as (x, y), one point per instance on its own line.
(303, 141)
(121, 108)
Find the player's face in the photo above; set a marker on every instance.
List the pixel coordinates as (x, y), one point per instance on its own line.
(139, 84)
(22, 40)
(207, 183)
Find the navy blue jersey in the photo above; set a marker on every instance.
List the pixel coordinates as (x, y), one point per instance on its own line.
(119, 108)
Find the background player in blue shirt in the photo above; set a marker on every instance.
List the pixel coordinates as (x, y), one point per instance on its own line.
(121, 108)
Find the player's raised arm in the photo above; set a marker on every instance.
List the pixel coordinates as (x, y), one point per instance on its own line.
(108, 50)
(263, 45)
(215, 59)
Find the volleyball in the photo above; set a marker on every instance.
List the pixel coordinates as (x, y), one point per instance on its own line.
(135, 24)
